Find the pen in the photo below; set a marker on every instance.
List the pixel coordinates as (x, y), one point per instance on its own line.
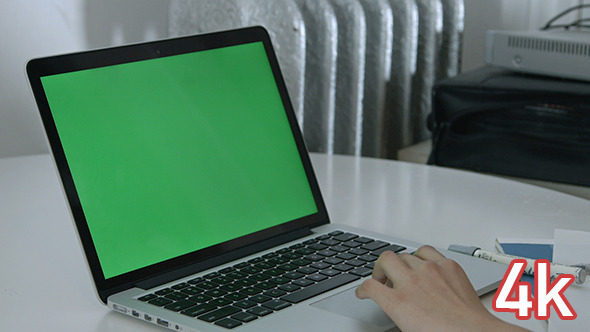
(578, 272)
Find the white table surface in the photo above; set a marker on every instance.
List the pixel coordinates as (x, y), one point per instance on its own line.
(45, 286)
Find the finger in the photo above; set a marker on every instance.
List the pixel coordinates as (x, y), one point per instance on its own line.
(428, 253)
(385, 297)
(389, 267)
(372, 289)
(411, 261)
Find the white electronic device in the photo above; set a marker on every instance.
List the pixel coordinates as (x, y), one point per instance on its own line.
(564, 53)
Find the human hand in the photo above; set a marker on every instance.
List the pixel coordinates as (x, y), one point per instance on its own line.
(427, 291)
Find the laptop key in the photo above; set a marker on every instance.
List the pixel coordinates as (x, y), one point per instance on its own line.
(176, 296)
(231, 287)
(180, 286)
(339, 248)
(356, 262)
(297, 246)
(260, 277)
(260, 298)
(241, 265)
(222, 280)
(236, 275)
(200, 298)
(180, 305)
(307, 270)
(221, 302)
(316, 277)
(358, 251)
(333, 260)
(368, 258)
(212, 275)
(343, 267)
(314, 257)
(364, 240)
(323, 237)
(228, 323)
(236, 296)
(281, 280)
(289, 287)
(352, 244)
(319, 288)
(287, 267)
(274, 272)
(148, 297)
(345, 237)
(303, 282)
(198, 309)
(265, 285)
(259, 311)
(245, 304)
(375, 245)
(319, 265)
(330, 242)
(276, 304)
(301, 262)
(330, 272)
(215, 292)
(293, 275)
(317, 246)
(275, 293)
(164, 291)
(245, 282)
(270, 255)
(327, 252)
(345, 256)
(196, 280)
(160, 301)
(392, 247)
(304, 251)
(292, 256)
(265, 265)
(191, 290)
(219, 313)
(244, 317)
(362, 271)
(227, 270)
(278, 260)
(251, 291)
(207, 285)
(251, 270)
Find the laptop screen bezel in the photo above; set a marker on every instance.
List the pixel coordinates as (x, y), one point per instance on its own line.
(38, 68)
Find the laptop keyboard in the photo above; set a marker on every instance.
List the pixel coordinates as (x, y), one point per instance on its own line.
(249, 290)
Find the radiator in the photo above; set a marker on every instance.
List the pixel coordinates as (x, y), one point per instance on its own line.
(359, 72)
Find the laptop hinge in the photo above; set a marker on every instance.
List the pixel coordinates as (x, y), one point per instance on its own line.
(222, 258)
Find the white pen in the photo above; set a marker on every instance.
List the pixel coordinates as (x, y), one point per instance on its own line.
(578, 272)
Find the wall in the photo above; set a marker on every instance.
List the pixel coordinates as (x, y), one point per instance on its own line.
(32, 28)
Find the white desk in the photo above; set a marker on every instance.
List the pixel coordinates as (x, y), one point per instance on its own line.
(45, 286)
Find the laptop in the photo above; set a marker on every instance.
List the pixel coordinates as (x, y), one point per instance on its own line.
(193, 194)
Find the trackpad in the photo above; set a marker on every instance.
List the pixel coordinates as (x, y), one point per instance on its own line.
(347, 304)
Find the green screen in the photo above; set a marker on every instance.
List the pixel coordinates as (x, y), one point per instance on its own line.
(176, 154)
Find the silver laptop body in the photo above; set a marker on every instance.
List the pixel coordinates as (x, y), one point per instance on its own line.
(193, 194)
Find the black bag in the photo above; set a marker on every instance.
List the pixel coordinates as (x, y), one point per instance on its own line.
(498, 121)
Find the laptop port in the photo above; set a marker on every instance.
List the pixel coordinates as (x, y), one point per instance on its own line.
(147, 317)
(135, 313)
(162, 322)
(120, 308)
